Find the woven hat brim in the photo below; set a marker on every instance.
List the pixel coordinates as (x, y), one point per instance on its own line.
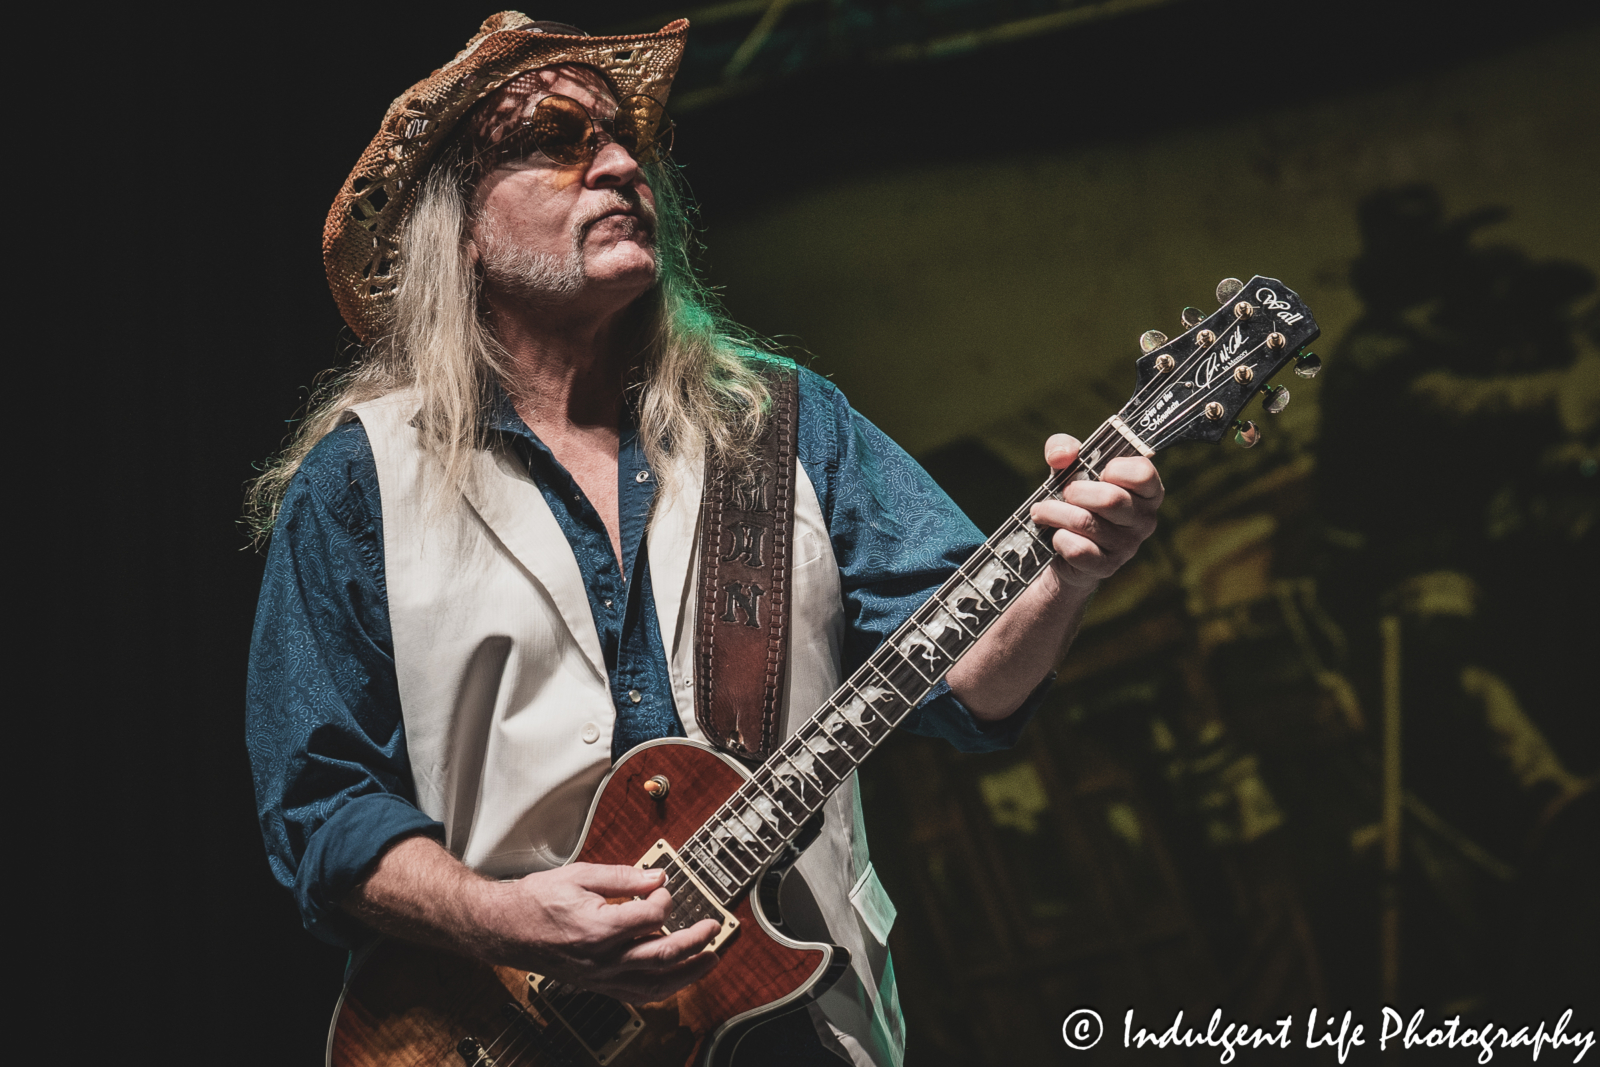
(361, 239)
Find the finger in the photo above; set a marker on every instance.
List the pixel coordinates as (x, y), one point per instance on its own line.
(1109, 505)
(1137, 476)
(1060, 450)
(1114, 543)
(1113, 503)
(635, 918)
(615, 880)
(648, 987)
(1085, 560)
(1110, 501)
(658, 953)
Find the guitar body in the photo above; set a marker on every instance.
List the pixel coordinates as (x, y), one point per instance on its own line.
(406, 1006)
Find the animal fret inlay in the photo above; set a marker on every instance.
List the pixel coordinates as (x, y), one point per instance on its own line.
(962, 593)
(858, 709)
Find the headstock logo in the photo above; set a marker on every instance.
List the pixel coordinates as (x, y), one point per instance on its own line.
(1270, 301)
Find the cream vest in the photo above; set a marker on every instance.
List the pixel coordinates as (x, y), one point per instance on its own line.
(507, 706)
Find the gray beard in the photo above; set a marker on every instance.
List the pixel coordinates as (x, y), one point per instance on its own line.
(536, 277)
(540, 277)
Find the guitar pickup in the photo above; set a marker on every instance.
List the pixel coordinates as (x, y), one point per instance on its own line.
(692, 902)
(601, 1025)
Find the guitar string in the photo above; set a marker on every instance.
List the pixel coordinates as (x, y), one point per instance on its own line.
(815, 723)
(592, 1004)
(727, 810)
(852, 688)
(536, 1040)
(1194, 399)
(577, 1020)
(524, 1031)
(1095, 445)
(1178, 415)
(491, 1056)
(488, 1052)
(1103, 436)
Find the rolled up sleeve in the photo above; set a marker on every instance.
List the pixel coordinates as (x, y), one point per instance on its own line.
(323, 725)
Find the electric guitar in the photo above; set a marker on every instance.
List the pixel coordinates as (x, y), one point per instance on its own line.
(721, 830)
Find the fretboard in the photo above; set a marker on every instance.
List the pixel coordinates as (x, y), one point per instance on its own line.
(755, 824)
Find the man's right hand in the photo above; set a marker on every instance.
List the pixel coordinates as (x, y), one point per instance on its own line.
(558, 923)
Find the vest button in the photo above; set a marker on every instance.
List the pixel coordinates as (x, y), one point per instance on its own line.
(590, 733)
(635, 696)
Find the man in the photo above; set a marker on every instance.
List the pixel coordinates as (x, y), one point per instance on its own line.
(484, 542)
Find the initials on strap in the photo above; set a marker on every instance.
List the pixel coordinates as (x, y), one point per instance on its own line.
(746, 560)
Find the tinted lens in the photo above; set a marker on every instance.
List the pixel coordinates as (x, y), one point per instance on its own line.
(644, 129)
(560, 128)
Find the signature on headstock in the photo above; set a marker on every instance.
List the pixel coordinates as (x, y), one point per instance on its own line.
(1193, 386)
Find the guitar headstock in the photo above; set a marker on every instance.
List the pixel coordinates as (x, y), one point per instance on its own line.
(1194, 386)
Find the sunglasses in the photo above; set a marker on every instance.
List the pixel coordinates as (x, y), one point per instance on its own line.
(568, 135)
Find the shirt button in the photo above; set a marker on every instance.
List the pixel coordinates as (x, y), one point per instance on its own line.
(590, 733)
(642, 476)
(635, 696)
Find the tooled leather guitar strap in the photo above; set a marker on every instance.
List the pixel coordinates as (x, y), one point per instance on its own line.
(746, 561)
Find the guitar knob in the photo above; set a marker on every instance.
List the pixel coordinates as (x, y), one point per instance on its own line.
(1227, 289)
(1192, 317)
(1248, 435)
(1307, 364)
(1151, 340)
(1276, 398)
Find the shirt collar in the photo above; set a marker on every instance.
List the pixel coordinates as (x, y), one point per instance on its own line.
(501, 416)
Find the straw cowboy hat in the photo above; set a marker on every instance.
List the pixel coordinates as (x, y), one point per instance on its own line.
(361, 240)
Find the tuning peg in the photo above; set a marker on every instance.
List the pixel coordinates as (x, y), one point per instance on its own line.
(1151, 340)
(1227, 289)
(1192, 317)
(1247, 434)
(1275, 398)
(1307, 364)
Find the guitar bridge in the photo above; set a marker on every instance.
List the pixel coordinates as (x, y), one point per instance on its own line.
(690, 903)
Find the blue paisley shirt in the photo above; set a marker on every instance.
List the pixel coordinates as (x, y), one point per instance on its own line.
(324, 729)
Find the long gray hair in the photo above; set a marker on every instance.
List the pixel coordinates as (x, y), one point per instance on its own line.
(696, 387)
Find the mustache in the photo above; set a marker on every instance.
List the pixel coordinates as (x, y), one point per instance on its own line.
(644, 214)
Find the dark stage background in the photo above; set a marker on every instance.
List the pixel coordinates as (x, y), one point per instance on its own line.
(970, 245)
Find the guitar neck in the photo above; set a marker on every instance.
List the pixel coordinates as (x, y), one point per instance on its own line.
(760, 820)
(1191, 388)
